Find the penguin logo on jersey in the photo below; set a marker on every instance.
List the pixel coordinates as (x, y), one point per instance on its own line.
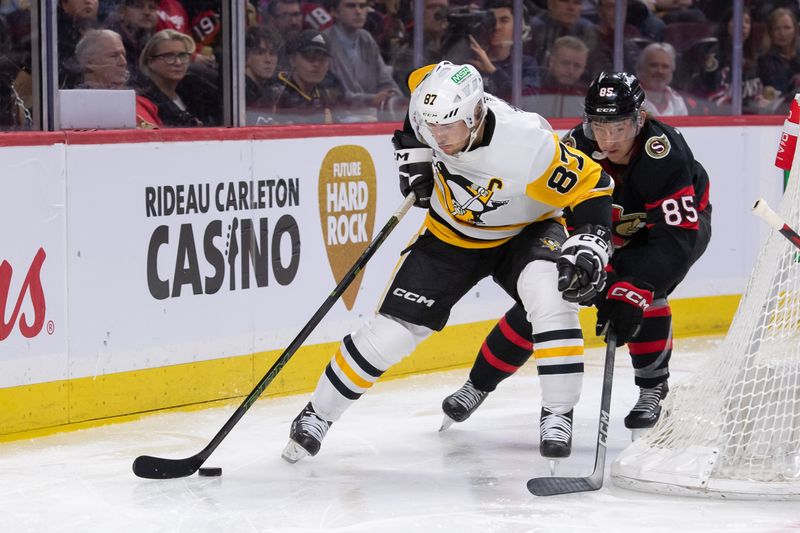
(657, 147)
(550, 244)
(625, 226)
(467, 201)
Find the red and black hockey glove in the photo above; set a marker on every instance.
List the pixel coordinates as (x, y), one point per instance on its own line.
(415, 167)
(623, 308)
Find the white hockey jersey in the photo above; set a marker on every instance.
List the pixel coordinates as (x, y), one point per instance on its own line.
(487, 195)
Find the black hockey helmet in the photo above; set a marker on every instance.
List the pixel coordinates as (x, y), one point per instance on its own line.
(612, 97)
(612, 94)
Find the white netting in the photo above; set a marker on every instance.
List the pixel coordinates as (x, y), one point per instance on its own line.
(733, 428)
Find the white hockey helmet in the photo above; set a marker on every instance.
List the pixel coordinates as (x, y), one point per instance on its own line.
(447, 94)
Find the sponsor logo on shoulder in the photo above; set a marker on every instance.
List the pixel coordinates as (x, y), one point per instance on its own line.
(461, 75)
(657, 147)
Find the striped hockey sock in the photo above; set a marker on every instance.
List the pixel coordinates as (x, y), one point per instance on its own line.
(507, 347)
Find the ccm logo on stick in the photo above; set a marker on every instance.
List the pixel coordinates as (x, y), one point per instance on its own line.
(413, 297)
(623, 293)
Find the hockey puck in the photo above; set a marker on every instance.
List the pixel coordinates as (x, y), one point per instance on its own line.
(212, 471)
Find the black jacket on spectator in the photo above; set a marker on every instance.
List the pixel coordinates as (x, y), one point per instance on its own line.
(290, 105)
(777, 71)
(255, 95)
(192, 90)
(69, 72)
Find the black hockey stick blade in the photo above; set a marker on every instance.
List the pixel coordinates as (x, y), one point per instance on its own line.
(550, 486)
(149, 467)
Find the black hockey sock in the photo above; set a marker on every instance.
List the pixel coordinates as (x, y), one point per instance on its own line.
(507, 347)
(652, 348)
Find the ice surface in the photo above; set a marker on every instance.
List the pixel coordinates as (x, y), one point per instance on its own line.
(382, 468)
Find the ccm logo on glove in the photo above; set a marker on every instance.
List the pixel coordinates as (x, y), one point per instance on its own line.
(627, 292)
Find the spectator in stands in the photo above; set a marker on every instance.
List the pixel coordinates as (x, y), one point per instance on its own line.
(135, 22)
(164, 64)
(566, 64)
(676, 11)
(763, 8)
(779, 68)
(251, 15)
(172, 15)
(494, 62)
(563, 17)
(261, 59)
(284, 18)
(356, 61)
(434, 20)
(13, 111)
(601, 57)
(308, 93)
(711, 82)
(387, 23)
(75, 17)
(102, 58)
(641, 13)
(654, 69)
(563, 88)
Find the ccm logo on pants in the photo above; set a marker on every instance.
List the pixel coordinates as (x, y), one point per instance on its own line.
(621, 293)
(413, 297)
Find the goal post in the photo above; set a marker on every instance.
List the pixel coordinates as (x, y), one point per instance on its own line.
(732, 429)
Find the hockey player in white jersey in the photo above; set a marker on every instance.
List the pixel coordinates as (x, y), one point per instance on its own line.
(494, 180)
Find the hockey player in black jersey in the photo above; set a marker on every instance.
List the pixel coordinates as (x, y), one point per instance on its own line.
(661, 226)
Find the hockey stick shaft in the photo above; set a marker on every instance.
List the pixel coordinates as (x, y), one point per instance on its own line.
(762, 209)
(146, 466)
(550, 486)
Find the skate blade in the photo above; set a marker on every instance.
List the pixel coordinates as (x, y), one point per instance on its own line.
(553, 465)
(293, 452)
(446, 423)
(638, 433)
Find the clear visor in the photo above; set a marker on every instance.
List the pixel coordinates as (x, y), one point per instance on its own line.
(618, 129)
(451, 138)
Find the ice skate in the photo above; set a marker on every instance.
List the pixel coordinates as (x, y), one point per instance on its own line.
(647, 410)
(306, 434)
(461, 404)
(556, 437)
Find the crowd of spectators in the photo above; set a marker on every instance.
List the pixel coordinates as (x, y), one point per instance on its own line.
(329, 61)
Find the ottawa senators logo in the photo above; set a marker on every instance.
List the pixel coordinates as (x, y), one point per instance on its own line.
(625, 226)
(657, 147)
(465, 200)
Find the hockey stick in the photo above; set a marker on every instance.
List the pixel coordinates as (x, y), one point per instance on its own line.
(773, 219)
(550, 486)
(159, 468)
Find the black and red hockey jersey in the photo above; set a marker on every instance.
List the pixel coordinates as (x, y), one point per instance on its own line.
(658, 200)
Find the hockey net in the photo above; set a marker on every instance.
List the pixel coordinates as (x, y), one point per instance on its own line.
(733, 428)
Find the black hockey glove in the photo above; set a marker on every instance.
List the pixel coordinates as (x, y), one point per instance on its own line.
(414, 164)
(623, 308)
(581, 267)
